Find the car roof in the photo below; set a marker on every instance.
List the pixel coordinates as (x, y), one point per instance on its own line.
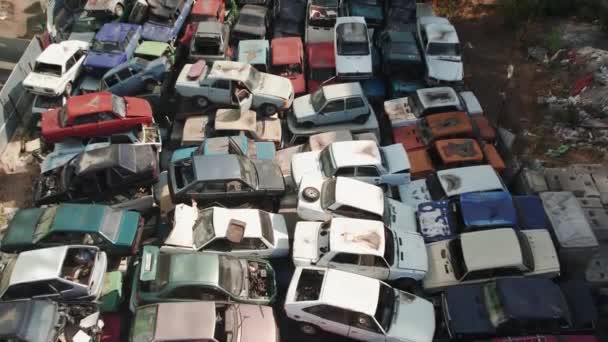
(79, 217)
(340, 289)
(253, 9)
(201, 268)
(132, 157)
(151, 48)
(209, 26)
(438, 97)
(351, 192)
(253, 51)
(115, 32)
(171, 325)
(352, 31)
(59, 53)
(356, 236)
(235, 119)
(230, 70)
(469, 179)
(38, 264)
(355, 153)
(287, 50)
(207, 7)
(89, 104)
(340, 90)
(226, 166)
(531, 298)
(488, 249)
(320, 55)
(222, 218)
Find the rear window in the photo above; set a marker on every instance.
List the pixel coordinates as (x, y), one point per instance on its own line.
(145, 323)
(352, 39)
(47, 69)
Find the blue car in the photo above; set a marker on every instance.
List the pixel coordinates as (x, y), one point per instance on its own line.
(166, 21)
(113, 45)
(135, 76)
(238, 144)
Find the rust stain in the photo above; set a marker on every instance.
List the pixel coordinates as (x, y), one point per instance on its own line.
(371, 239)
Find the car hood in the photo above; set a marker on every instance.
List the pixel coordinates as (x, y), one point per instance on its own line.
(258, 321)
(402, 216)
(445, 69)
(298, 82)
(396, 158)
(302, 108)
(414, 193)
(138, 108)
(21, 228)
(354, 64)
(305, 243)
(269, 175)
(305, 164)
(465, 310)
(440, 271)
(411, 251)
(155, 32)
(104, 60)
(276, 86)
(414, 319)
(42, 81)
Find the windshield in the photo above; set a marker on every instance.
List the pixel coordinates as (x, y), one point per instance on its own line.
(253, 81)
(443, 49)
(44, 223)
(352, 39)
(386, 306)
(203, 231)
(415, 105)
(119, 106)
(317, 100)
(389, 246)
(267, 228)
(231, 275)
(47, 102)
(526, 251)
(327, 162)
(493, 306)
(328, 193)
(8, 270)
(322, 74)
(47, 69)
(144, 325)
(110, 227)
(206, 45)
(106, 46)
(248, 172)
(457, 259)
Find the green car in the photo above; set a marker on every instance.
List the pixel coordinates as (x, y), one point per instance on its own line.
(150, 51)
(172, 275)
(115, 231)
(111, 292)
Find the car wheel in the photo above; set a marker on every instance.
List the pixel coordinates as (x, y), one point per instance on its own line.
(310, 194)
(308, 329)
(119, 10)
(68, 89)
(201, 102)
(269, 109)
(361, 118)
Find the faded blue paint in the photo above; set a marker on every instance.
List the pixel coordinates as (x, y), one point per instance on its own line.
(487, 210)
(182, 153)
(142, 72)
(402, 88)
(255, 52)
(265, 150)
(167, 31)
(437, 221)
(374, 89)
(99, 59)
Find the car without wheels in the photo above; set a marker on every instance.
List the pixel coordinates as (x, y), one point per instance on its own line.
(166, 20)
(210, 42)
(352, 49)
(239, 145)
(255, 52)
(150, 51)
(136, 76)
(322, 299)
(364, 247)
(288, 61)
(321, 65)
(114, 44)
(208, 10)
(320, 21)
(252, 23)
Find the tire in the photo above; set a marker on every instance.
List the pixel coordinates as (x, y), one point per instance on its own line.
(311, 194)
(119, 10)
(362, 118)
(201, 102)
(308, 329)
(268, 109)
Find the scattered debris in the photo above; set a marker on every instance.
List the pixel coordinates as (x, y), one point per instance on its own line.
(538, 54)
(558, 152)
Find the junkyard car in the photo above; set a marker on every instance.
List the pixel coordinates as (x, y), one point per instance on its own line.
(344, 197)
(95, 114)
(363, 160)
(208, 10)
(238, 144)
(359, 307)
(210, 42)
(352, 49)
(475, 257)
(56, 69)
(232, 179)
(113, 44)
(99, 174)
(288, 61)
(364, 247)
(238, 232)
(400, 54)
(42, 104)
(320, 20)
(37, 320)
(204, 321)
(371, 10)
(441, 50)
(401, 15)
(115, 231)
(135, 76)
(166, 20)
(64, 274)
(289, 19)
(178, 276)
(321, 64)
(255, 52)
(333, 104)
(150, 51)
(224, 82)
(85, 27)
(252, 23)
(115, 7)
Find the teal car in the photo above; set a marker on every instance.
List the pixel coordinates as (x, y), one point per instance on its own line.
(115, 231)
(238, 144)
(172, 275)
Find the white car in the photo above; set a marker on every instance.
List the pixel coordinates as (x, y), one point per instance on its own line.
(479, 256)
(441, 50)
(320, 200)
(356, 306)
(234, 83)
(56, 69)
(352, 48)
(117, 7)
(360, 159)
(365, 247)
(239, 232)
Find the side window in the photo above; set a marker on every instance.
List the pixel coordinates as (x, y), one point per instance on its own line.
(354, 102)
(85, 119)
(124, 73)
(218, 244)
(79, 54)
(351, 212)
(346, 258)
(221, 84)
(345, 172)
(424, 38)
(334, 106)
(105, 116)
(215, 187)
(366, 260)
(367, 171)
(506, 272)
(27, 290)
(70, 63)
(111, 80)
(236, 186)
(329, 313)
(365, 322)
(59, 286)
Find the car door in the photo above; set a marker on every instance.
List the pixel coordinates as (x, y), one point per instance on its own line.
(219, 92)
(355, 108)
(108, 123)
(364, 328)
(328, 318)
(84, 126)
(333, 112)
(347, 262)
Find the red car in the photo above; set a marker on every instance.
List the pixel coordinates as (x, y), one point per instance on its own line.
(93, 115)
(321, 64)
(203, 10)
(288, 61)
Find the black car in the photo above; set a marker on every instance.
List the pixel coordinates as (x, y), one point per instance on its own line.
(252, 23)
(289, 21)
(518, 307)
(401, 19)
(99, 174)
(400, 54)
(371, 10)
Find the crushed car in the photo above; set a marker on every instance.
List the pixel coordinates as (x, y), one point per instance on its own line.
(135, 76)
(115, 7)
(400, 55)
(114, 43)
(151, 51)
(371, 10)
